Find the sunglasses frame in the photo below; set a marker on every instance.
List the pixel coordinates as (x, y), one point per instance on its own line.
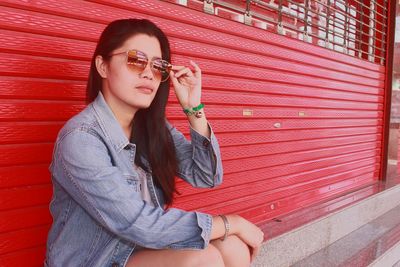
(153, 69)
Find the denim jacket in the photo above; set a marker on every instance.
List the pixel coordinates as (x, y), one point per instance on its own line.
(98, 214)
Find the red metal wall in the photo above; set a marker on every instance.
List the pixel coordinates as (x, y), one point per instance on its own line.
(298, 124)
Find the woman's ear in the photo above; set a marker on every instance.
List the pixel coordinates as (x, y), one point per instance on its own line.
(101, 66)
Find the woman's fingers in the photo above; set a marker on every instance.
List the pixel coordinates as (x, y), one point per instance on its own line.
(254, 252)
(197, 70)
(185, 71)
(176, 67)
(251, 234)
(187, 85)
(181, 70)
(174, 80)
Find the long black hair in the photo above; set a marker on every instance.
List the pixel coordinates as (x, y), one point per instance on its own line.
(149, 131)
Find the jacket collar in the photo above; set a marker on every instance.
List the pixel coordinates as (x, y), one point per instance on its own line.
(109, 124)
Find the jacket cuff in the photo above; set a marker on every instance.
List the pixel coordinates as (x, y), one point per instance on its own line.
(205, 223)
(201, 141)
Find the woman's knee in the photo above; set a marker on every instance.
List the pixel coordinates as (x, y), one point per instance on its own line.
(210, 256)
(234, 251)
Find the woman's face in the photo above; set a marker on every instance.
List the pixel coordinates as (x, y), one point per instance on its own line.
(125, 85)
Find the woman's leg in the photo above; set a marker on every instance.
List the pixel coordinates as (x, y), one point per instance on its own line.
(207, 257)
(234, 251)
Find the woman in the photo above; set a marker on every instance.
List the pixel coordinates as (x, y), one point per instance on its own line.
(114, 165)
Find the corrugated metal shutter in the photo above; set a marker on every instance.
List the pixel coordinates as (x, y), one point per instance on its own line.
(297, 124)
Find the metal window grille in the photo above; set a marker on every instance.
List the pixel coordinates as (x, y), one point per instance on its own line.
(354, 27)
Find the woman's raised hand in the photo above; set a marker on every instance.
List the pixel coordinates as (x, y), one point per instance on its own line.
(187, 84)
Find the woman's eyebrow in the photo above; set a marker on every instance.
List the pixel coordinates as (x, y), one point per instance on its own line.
(147, 55)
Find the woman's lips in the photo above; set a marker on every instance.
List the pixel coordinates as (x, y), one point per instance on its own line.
(146, 90)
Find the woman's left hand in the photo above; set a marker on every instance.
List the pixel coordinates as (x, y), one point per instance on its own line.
(187, 85)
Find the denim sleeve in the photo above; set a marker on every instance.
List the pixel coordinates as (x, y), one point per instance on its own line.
(82, 165)
(199, 160)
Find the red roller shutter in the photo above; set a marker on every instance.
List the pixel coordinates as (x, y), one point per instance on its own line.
(298, 124)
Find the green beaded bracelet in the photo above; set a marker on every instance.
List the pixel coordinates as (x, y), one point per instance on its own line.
(187, 111)
(192, 111)
(198, 107)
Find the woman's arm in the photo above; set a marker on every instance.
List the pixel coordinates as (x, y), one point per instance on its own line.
(245, 230)
(199, 161)
(83, 167)
(200, 125)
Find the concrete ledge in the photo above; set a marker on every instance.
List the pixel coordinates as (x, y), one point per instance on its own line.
(390, 258)
(293, 246)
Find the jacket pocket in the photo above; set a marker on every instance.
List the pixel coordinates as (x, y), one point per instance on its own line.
(133, 181)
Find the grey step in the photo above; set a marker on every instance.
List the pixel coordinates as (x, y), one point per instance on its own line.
(299, 243)
(371, 244)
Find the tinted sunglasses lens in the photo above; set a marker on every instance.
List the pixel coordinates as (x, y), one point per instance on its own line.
(163, 67)
(137, 59)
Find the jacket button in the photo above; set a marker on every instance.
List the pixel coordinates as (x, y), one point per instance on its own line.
(206, 143)
(115, 264)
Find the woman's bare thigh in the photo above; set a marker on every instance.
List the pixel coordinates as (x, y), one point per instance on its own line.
(209, 256)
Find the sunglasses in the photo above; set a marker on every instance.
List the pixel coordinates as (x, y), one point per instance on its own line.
(138, 61)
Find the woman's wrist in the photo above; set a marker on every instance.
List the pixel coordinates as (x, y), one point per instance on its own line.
(227, 226)
(198, 122)
(235, 223)
(195, 111)
(200, 125)
(219, 226)
(190, 104)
